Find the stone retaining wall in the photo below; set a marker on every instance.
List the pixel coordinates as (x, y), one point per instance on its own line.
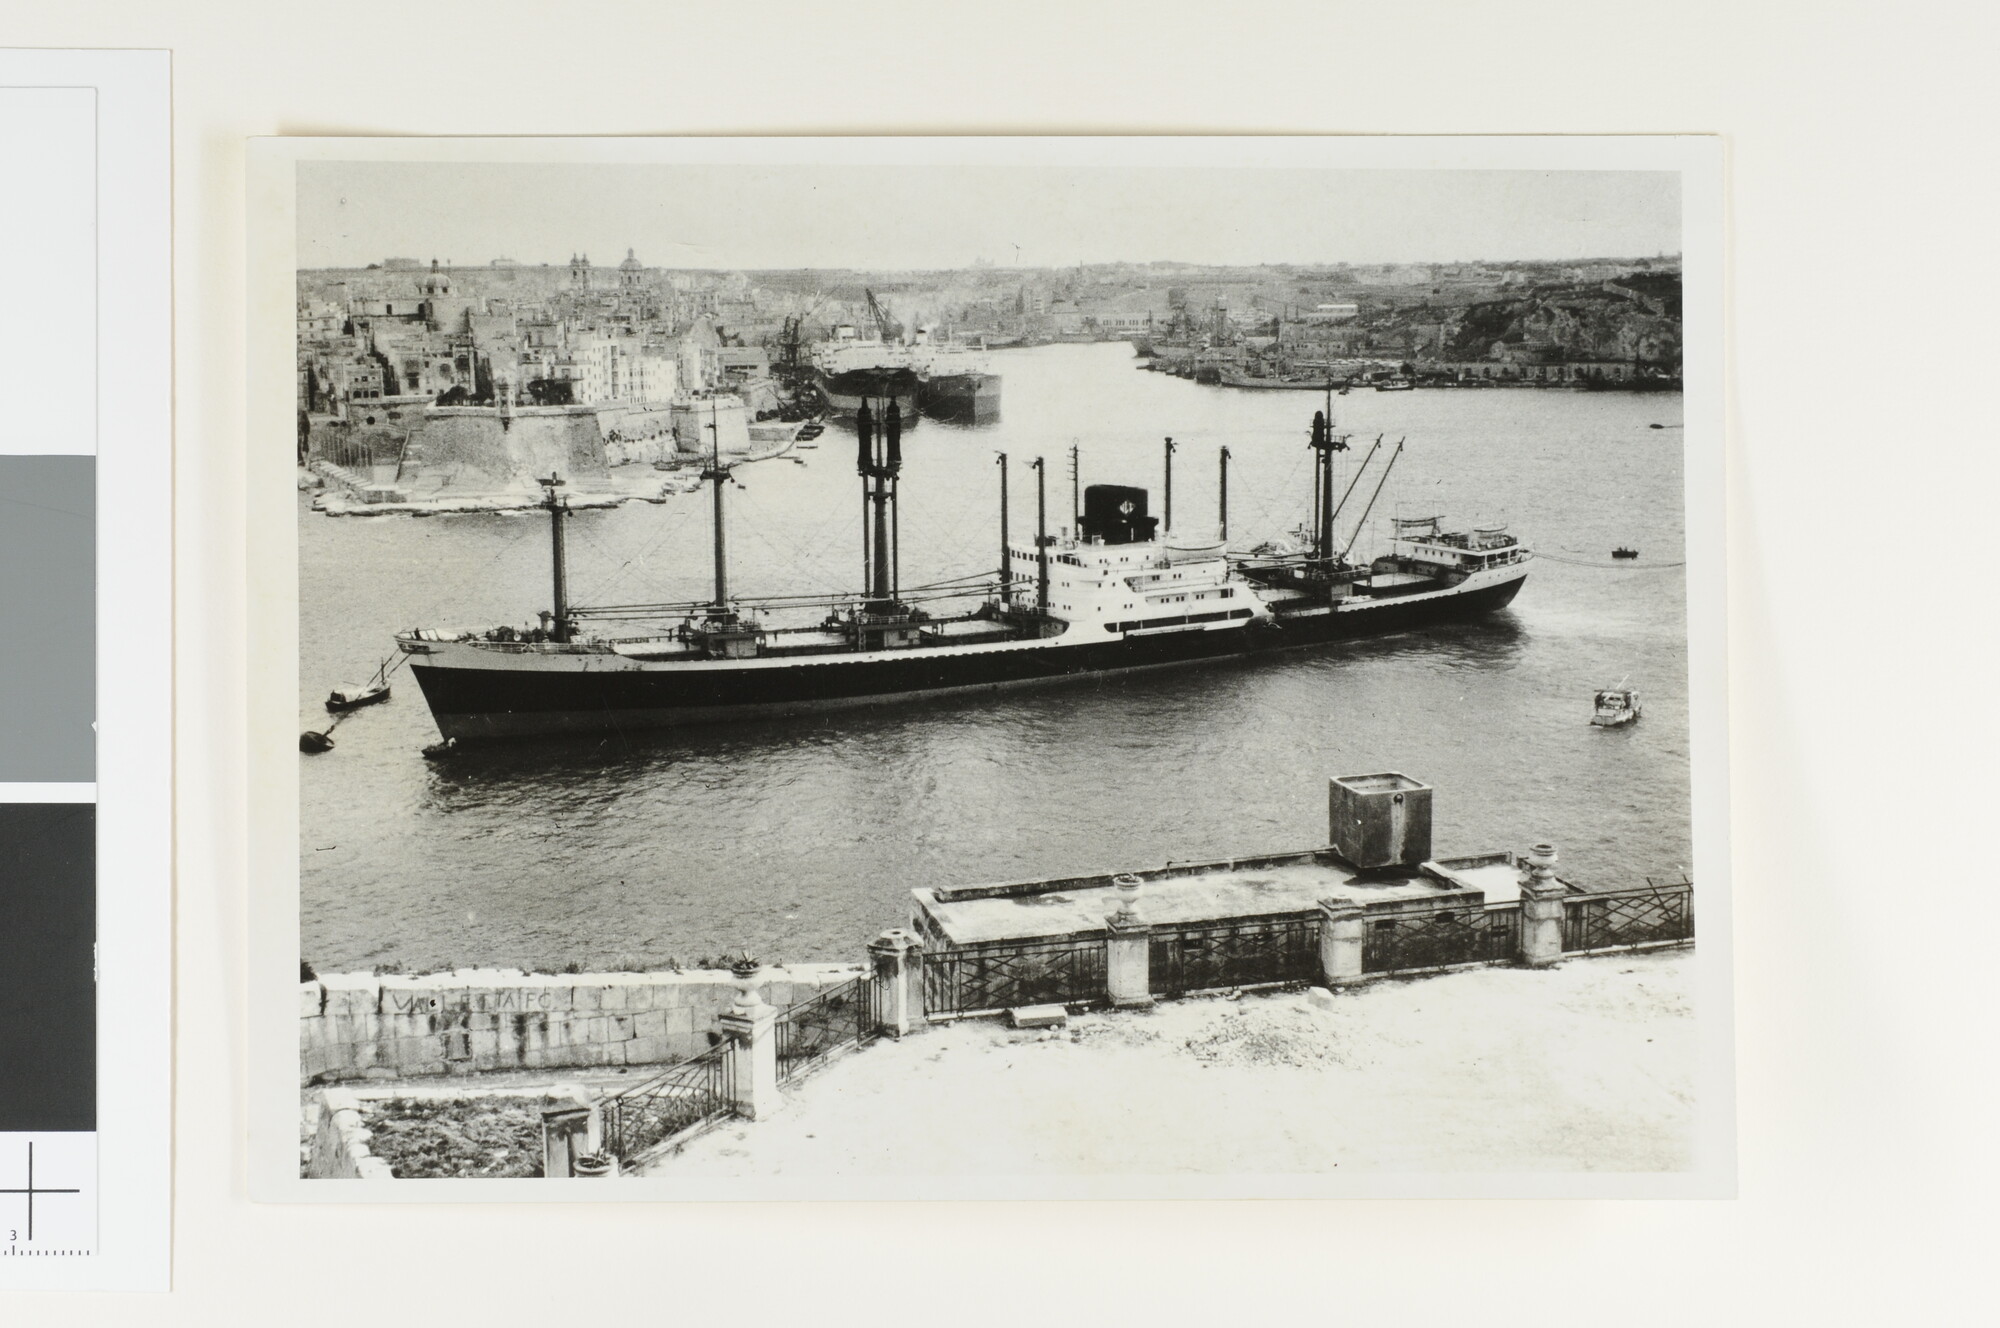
(340, 1146)
(364, 1026)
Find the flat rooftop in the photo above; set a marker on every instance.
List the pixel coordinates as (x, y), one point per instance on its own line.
(1213, 892)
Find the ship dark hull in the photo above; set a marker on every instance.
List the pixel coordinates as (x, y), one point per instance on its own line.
(846, 391)
(965, 398)
(472, 704)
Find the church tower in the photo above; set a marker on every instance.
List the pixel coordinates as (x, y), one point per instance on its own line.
(437, 288)
(579, 272)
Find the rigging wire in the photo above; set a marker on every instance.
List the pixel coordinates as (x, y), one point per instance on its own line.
(1623, 565)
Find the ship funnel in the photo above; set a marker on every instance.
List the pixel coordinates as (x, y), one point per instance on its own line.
(1376, 821)
(1116, 514)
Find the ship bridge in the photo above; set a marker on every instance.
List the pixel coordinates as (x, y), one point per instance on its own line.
(1156, 585)
(1423, 541)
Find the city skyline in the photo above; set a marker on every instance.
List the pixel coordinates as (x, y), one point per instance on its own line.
(931, 218)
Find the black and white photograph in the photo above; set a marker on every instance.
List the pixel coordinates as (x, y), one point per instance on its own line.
(853, 668)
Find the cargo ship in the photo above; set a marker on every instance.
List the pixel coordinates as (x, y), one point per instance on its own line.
(1120, 593)
(851, 369)
(954, 382)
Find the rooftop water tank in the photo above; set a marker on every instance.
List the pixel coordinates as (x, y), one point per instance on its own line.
(1376, 821)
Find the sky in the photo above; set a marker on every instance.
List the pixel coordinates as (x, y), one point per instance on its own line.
(351, 214)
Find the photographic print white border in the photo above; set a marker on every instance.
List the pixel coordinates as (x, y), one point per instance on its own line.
(273, 643)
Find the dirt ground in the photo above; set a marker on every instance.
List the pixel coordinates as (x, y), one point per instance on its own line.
(1589, 1066)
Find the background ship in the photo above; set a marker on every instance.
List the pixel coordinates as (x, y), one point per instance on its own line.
(1120, 595)
(954, 381)
(852, 369)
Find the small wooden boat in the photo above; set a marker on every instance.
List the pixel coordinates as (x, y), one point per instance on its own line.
(1615, 706)
(1622, 552)
(314, 742)
(352, 696)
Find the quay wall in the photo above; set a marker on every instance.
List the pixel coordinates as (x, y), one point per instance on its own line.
(369, 1026)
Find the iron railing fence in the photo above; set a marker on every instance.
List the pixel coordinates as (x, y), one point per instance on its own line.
(814, 1029)
(695, 1092)
(978, 978)
(1440, 940)
(1241, 952)
(1502, 942)
(1614, 919)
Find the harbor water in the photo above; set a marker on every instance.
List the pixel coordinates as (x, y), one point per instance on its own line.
(800, 839)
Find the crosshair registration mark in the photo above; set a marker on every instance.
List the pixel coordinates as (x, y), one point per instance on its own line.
(31, 1190)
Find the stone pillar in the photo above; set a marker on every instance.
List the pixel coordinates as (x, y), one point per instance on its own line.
(1343, 930)
(750, 1025)
(1542, 909)
(1128, 951)
(567, 1134)
(898, 959)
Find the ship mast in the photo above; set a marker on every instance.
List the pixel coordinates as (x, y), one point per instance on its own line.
(1222, 498)
(1076, 489)
(1167, 518)
(879, 458)
(559, 556)
(1041, 537)
(1006, 553)
(715, 474)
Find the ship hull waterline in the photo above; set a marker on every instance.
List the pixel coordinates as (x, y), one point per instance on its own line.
(473, 705)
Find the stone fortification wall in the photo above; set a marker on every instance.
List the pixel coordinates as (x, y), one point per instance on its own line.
(637, 433)
(730, 418)
(360, 1025)
(465, 450)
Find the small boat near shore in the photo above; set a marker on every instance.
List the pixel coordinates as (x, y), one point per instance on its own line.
(1622, 552)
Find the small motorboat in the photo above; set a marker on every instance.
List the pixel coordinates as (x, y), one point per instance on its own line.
(352, 696)
(1622, 552)
(1615, 706)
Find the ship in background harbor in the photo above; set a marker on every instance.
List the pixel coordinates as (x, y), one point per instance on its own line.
(852, 369)
(924, 375)
(1126, 591)
(954, 381)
